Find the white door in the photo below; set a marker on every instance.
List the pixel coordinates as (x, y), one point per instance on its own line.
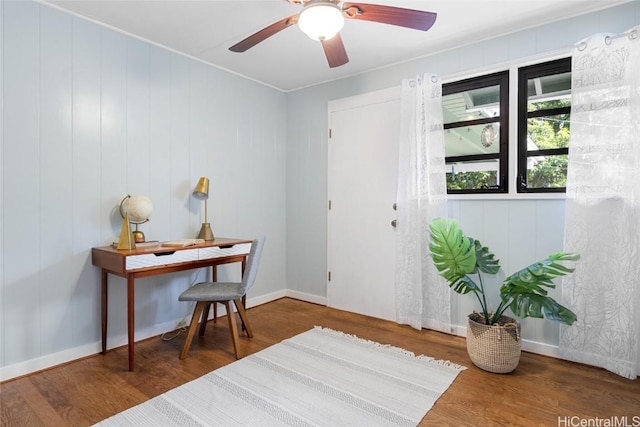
(362, 181)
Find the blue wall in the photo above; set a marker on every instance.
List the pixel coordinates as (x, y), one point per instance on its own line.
(88, 116)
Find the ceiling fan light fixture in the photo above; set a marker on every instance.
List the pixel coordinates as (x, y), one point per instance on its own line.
(321, 21)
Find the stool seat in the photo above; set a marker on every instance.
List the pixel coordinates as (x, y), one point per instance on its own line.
(213, 291)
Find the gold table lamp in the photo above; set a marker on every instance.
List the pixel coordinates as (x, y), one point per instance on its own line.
(201, 192)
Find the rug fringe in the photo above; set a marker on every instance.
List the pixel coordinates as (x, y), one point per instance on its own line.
(407, 353)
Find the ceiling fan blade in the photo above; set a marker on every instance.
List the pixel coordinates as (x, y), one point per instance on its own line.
(264, 34)
(335, 52)
(410, 18)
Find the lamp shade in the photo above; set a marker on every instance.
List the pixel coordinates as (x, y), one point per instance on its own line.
(321, 21)
(201, 192)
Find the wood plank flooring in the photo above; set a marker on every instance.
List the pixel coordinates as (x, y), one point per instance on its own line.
(541, 392)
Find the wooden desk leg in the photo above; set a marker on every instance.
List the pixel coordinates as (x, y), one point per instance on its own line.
(130, 319)
(214, 278)
(104, 310)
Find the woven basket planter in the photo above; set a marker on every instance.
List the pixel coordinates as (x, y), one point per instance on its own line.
(494, 348)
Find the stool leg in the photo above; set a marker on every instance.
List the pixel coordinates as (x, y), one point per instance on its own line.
(205, 315)
(243, 317)
(232, 326)
(192, 328)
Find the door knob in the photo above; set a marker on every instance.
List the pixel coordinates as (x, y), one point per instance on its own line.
(395, 206)
(394, 223)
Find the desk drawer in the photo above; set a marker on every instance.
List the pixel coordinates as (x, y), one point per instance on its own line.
(135, 262)
(219, 252)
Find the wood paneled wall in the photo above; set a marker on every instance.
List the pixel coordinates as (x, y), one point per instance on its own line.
(90, 115)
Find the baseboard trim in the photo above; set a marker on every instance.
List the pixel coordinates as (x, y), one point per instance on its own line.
(41, 363)
(48, 361)
(315, 299)
(263, 299)
(527, 345)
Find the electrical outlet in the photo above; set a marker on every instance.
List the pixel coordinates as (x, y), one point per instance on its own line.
(182, 323)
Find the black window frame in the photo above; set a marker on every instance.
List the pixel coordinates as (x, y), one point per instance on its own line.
(558, 66)
(500, 79)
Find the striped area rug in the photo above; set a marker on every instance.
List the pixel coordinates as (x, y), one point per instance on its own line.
(319, 378)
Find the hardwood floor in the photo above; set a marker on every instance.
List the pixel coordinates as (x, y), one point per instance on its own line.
(541, 392)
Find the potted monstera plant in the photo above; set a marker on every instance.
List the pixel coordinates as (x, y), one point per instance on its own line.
(493, 338)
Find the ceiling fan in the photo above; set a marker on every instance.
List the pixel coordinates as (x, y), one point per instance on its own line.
(322, 20)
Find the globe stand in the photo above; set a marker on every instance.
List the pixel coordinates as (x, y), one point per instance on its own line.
(138, 236)
(126, 240)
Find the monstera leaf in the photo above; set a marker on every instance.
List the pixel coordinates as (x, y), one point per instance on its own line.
(486, 260)
(464, 285)
(453, 254)
(536, 305)
(526, 294)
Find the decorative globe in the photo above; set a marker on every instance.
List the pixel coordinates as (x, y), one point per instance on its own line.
(139, 209)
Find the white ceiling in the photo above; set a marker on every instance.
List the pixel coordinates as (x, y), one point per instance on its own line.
(289, 60)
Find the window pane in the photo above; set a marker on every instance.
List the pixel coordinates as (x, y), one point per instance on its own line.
(476, 147)
(471, 140)
(473, 175)
(471, 104)
(549, 92)
(547, 171)
(548, 132)
(544, 114)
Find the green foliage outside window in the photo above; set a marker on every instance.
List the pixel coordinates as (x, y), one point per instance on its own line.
(551, 172)
(471, 180)
(548, 133)
(552, 131)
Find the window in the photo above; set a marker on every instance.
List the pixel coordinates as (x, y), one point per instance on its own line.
(476, 125)
(476, 117)
(544, 110)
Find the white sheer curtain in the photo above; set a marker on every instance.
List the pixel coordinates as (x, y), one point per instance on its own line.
(422, 297)
(602, 220)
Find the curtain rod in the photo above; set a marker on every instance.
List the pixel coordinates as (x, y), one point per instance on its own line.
(608, 39)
